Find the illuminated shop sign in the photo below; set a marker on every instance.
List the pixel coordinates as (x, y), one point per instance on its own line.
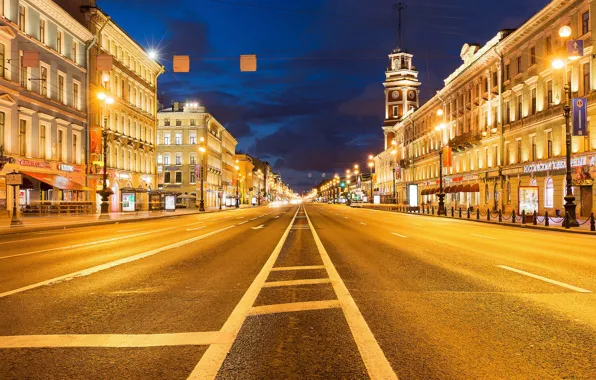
(66, 168)
(554, 165)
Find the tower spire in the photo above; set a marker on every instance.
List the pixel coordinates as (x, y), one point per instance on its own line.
(400, 8)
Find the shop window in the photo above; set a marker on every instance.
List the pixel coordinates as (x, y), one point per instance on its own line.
(486, 194)
(166, 177)
(549, 195)
(508, 193)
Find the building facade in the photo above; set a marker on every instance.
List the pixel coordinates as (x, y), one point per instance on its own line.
(190, 142)
(499, 121)
(120, 68)
(43, 113)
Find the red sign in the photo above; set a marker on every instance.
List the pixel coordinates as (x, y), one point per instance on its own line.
(447, 157)
(95, 136)
(34, 164)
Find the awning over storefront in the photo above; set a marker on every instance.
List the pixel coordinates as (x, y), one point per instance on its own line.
(425, 192)
(449, 189)
(475, 188)
(459, 188)
(57, 181)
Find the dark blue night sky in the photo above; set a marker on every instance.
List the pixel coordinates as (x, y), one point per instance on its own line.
(316, 103)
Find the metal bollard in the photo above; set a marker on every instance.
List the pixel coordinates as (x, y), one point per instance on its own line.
(460, 212)
(433, 209)
(567, 226)
(500, 216)
(513, 216)
(546, 223)
(524, 217)
(592, 222)
(488, 215)
(468, 213)
(478, 214)
(535, 218)
(452, 212)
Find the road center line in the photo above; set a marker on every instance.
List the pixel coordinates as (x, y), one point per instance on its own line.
(314, 281)
(305, 267)
(484, 236)
(294, 307)
(545, 279)
(213, 358)
(87, 244)
(374, 359)
(401, 236)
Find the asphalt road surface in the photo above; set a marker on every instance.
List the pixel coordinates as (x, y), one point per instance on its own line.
(298, 292)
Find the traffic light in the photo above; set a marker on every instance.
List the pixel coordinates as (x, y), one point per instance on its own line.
(342, 184)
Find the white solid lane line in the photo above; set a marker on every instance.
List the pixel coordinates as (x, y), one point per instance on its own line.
(401, 236)
(545, 279)
(87, 244)
(196, 228)
(112, 340)
(125, 260)
(102, 267)
(213, 358)
(484, 236)
(374, 359)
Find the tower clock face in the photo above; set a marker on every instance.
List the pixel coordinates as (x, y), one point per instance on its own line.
(395, 94)
(411, 95)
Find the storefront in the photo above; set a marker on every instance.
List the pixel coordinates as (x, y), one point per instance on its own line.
(48, 187)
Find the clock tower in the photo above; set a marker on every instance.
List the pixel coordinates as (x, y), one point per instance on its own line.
(401, 82)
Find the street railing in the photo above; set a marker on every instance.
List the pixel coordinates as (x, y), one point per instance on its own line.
(488, 215)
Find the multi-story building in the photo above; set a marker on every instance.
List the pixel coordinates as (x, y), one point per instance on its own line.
(43, 112)
(254, 185)
(121, 68)
(500, 115)
(184, 131)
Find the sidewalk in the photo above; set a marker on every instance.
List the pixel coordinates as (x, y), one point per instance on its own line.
(555, 223)
(54, 222)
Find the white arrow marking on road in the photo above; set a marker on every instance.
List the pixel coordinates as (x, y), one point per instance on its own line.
(401, 236)
(259, 227)
(364, 224)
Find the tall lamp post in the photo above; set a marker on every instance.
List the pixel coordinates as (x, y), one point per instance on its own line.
(393, 169)
(371, 165)
(348, 184)
(559, 63)
(259, 187)
(202, 150)
(356, 174)
(237, 185)
(441, 128)
(106, 100)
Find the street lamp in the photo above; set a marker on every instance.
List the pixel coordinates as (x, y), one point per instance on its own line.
(559, 63)
(259, 187)
(371, 165)
(441, 128)
(202, 150)
(237, 185)
(106, 99)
